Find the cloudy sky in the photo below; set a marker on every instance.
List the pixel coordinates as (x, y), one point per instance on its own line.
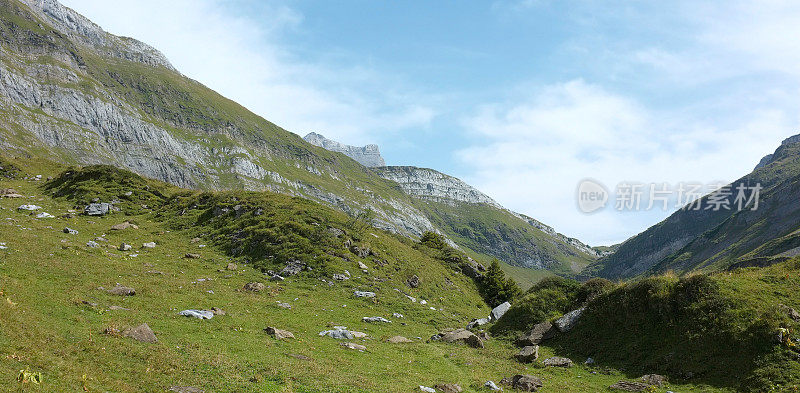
(521, 98)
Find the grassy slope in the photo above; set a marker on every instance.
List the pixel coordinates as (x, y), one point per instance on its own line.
(690, 240)
(496, 233)
(46, 274)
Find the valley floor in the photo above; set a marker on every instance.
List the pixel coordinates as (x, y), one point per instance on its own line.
(54, 318)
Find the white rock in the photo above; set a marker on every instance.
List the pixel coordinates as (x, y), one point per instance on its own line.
(568, 321)
(492, 386)
(44, 215)
(29, 207)
(427, 389)
(499, 311)
(199, 314)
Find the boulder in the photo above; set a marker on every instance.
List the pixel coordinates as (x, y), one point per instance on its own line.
(539, 333)
(217, 311)
(149, 245)
(364, 294)
(279, 334)
(354, 346)
(341, 333)
(499, 311)
(462, 335)
(70, 231)
(125, 247)
(97, 209)
(492, 386)
(292, 268)
(362, 252)
(628, 386)
(557, 361)
(426, 389)
(120, 290)
(285, 305)
(141, 333)
(477, 322)
(449, 388)
(254, 287)
(398, 340)
(340, 277)
(192, 256)
(525, 383)
(44, 215)
(413, 282)
(92, 244)
(29, 208)
(654, 380)
(123, 226)
(199, 314)
(528, 354)
(376, 319)
(362, 266)
(568, 321)
(231, 266)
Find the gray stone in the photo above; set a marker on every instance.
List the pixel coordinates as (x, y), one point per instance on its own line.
(376, 319)
(199, 314)
(293, 268)
(499, 311)
(413, 282)
(462, 335)
(149, 245)
(97, 209)
(120, 290)
(557, 361)
(141, 333)
(125, 247)
(279, 334)
(354, 346)
(449, 388)
(654, 379)
(398, 340)
(528, 354)
(491, 386)
(568, 321)
(526, 383)
(539, 333)
(477, 322)
(364, 294)
(254, 287)
(70, 231)
(92, 244)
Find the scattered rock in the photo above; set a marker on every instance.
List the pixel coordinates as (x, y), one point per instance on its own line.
(276, 278)
(123, 226)
(525, 383)
(539, 333)
(29, 207)
(397, 315)
(477, 322)
(125, 247)
(199, 314)
(120, 290)
(528, 354)
(217, 311)
(340, 277)
(341, 333)
(97, 209)
(568, 321)
(231, 266)
(413, 282)
(293, 268)
(254, 287)
(449, 388)
(362, 266)
(364, 294)
(376, 319)
(70, 231)
(361, 252)
(557, 361)
(44, 215)
(499, 311)
(491, 386)
(285, 305)
(398, 340)
(149, 245)
(192, 256)
(654, 380)
(141, 333)
(628, 386)
(92, 244)
(354, 346)
(279, 334)
(426, 389)
(463, 335)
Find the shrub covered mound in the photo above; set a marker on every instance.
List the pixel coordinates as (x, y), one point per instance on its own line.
(128, 191)
(716, 329)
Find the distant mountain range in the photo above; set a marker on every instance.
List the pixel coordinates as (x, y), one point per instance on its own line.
(73, 93)
(707, 240)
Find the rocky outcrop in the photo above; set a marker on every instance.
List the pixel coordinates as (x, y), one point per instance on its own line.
(369, 155)
(433, 185)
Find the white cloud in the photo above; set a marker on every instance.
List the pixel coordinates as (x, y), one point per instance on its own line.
(246, 60)
(531, 155)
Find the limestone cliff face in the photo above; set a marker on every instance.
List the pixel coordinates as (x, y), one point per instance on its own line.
(369, 155)
(433, 185)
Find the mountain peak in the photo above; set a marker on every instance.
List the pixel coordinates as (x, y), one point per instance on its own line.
(368, 155)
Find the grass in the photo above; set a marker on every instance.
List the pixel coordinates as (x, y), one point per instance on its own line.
(46, 275)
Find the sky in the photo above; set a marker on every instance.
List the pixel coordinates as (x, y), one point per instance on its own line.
(522, 99)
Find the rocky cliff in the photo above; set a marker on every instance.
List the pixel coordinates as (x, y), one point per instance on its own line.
(369, 155)
(73, 93)
(433, 185)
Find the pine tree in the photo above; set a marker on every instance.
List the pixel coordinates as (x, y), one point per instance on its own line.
(497, 288)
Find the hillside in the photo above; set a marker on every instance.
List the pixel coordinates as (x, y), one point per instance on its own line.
(703, 239)
(67, 309)
(72, 93)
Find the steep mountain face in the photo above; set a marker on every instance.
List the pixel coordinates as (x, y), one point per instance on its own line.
(692, 240)
(73, 93)
(474, 220)
(369, 155)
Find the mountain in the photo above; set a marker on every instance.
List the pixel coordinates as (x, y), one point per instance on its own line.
(73, 93)
(369, 155)
(706, 240)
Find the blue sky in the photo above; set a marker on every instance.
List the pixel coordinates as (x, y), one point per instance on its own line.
(522, 99)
